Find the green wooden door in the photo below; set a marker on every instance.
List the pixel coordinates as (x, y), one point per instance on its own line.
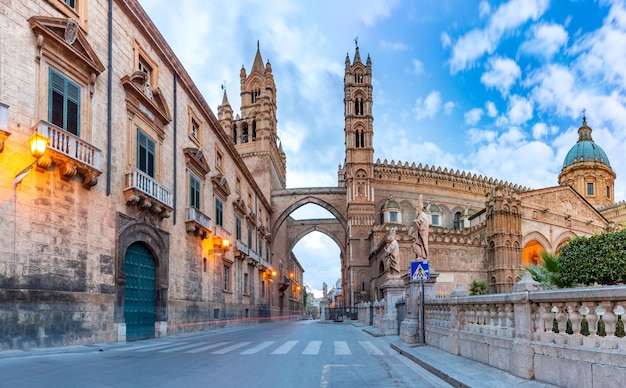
(140, 293)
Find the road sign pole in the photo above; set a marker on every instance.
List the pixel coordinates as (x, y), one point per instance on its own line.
(422, 317)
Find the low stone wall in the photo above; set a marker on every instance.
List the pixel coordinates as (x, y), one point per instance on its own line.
(571, 337)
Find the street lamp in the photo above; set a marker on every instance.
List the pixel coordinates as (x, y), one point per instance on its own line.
(38, 144)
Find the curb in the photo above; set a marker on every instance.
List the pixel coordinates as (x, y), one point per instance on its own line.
(445, 377)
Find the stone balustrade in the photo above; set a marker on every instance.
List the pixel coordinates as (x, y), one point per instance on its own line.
(567, 337)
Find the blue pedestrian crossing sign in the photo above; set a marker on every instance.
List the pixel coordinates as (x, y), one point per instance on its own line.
(420, 270)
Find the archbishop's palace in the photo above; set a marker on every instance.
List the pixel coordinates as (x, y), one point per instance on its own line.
(131, 209)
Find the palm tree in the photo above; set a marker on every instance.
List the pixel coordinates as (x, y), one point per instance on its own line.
(548, 272)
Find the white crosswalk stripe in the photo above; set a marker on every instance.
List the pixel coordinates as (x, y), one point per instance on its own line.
(313, 348)
(207, 347)
(179, 348)
(231, 348)
(285, 348)
(258, 348)
(341, 348)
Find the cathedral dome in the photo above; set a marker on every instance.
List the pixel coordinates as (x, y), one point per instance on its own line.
(391, 204)
(585, 150)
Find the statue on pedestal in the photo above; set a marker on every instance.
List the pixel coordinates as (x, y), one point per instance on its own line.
(419, 232)
(392, 253)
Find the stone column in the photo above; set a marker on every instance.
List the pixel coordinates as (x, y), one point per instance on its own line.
(323, 307)
(410, 325)
(394, 292)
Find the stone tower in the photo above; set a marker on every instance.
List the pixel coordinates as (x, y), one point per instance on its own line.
(358, 171)
(504, 241)
(587, 169)
(254, 132)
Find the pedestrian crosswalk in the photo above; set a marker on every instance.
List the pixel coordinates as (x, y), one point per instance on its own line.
(309, 348)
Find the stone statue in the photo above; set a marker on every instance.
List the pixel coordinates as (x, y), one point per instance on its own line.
(393, 252)
(419, 232)
(325, 290)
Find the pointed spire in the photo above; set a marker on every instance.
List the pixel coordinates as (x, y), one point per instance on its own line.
(357, 56)
(225, 98)
(258, 61)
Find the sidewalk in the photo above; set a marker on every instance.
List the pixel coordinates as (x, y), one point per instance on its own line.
(455, 370)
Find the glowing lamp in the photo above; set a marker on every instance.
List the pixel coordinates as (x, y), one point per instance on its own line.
(38, 144)
(225, 243)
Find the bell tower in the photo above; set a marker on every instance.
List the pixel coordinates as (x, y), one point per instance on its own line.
(254, 133)
(358, 169)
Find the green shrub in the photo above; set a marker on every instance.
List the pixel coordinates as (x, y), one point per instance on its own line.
(478, 288)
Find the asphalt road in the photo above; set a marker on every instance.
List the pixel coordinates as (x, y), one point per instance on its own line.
(284, 354)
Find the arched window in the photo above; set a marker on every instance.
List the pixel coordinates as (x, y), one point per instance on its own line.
(234, 133)
(244, 133)
(381, 268)
(253, 130)
(457, 221)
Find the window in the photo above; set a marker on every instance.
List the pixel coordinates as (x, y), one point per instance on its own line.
(246, 289)
(254, 130)
(457, 221)
(219, 211)
(244, 133)
(435, 219)
(226, 278)
(255, 95)
(249, 238)
(75, 9)
(64, 103)
(204, 265)
(234, 133)
(393, 216)
(218, 160)
(194, 192)
(195, 129)
(590, 190)
(267, 253)
(238, 185)
(145, 153)
(238, 227)
(608, 191)
(260, 247)
(71, 3)
(142, 62)
(262, 288)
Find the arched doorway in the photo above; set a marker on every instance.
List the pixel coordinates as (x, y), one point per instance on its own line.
(531, 255)
(140, 292)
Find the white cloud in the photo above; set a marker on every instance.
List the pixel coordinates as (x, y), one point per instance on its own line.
(546, 40)
(473, 45)
(492, 111)
(502, 74)
(484, 9)
(477, 136)
(448, 107)
(473, 116)
(446, 41)
(418, 66)
(519, 110)
(429, 106)
(539, 130)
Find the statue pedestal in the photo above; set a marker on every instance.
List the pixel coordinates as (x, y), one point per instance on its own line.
(410, 328)
(323, 309)
(394, 292)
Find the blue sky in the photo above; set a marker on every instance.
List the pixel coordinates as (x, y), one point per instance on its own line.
(496, 88)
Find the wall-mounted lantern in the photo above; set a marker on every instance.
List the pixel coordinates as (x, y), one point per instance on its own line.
(38, 144)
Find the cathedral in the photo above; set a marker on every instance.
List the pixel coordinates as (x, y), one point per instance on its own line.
(145, 214)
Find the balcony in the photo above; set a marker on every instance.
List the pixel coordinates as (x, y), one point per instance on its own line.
(197, 223)
(144, 192)
(72, 154)
(244, 252)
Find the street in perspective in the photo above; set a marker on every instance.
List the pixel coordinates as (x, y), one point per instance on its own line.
(303, 353)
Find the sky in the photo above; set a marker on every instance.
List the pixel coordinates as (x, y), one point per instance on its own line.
(495, 88)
